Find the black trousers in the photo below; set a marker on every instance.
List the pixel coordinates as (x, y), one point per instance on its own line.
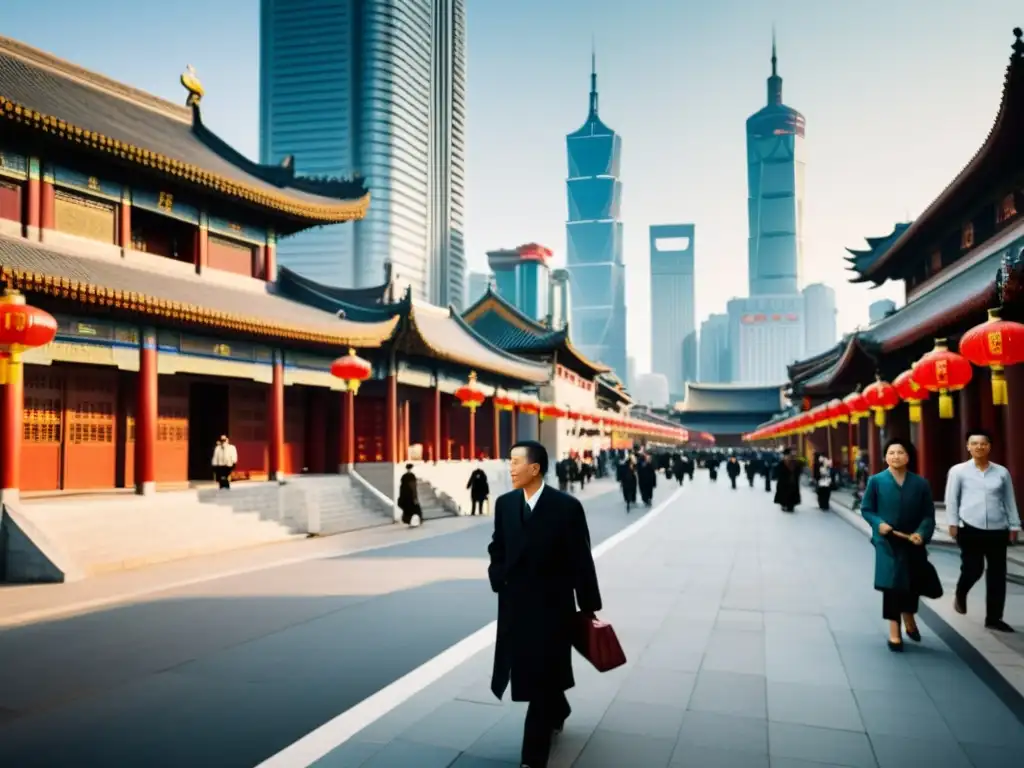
(768, 483)
(824, 494)
(732, 479)
(750, 479)
(477, 503)
(983, 551)
(542, 716)
(223, 475)
(898, 601)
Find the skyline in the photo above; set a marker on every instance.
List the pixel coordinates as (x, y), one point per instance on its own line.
(885, 139)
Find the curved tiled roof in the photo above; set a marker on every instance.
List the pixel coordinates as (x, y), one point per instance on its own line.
(109, 282)
(861, 261)
(361, 304)
(1001, 149)
(731, 398)
(54, 97)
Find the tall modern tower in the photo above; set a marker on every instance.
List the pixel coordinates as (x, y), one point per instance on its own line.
(673, 314)
(377, 88)
(819, 318)
(594, 236)
(522, 277)
(775, 179)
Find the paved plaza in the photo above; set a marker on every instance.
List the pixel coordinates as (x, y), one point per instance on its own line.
(754, 639)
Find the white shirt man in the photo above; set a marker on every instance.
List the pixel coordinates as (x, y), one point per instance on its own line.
(225, 457)
(981, 511)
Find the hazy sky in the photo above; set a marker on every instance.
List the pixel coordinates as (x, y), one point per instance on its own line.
(898, 95)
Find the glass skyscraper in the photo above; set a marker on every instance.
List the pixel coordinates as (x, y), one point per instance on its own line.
(377, 88)
(775, 178)
(522, 277)
(597, 274)
(673, 314)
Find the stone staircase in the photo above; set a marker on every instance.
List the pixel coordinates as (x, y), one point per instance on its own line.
(434, 503)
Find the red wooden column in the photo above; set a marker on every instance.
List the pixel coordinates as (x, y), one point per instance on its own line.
(12, 420)
(875, 458)
(472, 434)
(33, 200)
(990, 416)
(406, 440)
(851, 448)
(124, 220)
(495, 431)
(435, 434)
(1013, 428)
(970, 407)
(146, 415)
(926, 434)
(202, 251)
(348, 430)
(275, 425)
(47, 202)
(391, 418)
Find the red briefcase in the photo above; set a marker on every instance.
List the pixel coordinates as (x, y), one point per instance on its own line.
(597, 643)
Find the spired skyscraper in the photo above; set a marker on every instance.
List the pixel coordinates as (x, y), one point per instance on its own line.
(775, 179)
(597, 275)
(378, 88)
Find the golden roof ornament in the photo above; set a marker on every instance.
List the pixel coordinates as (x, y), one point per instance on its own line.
(190, 80)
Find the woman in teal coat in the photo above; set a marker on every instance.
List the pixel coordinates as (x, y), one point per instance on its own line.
(898, 505)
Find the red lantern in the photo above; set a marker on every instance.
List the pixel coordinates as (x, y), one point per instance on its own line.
(837, 411)
(943, 371)
(857, 406)
(551, 411)
(911, 392)
(470, 394)
(351, 369)
(21, 327)
(881, 396)
(503, 402)
(996, 344)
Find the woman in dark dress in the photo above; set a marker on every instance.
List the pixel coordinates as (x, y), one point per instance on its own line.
(409, 498)
(787, 486)
(898, 505)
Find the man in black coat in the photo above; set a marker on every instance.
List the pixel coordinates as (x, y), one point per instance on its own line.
(479, 489)
(541, 568)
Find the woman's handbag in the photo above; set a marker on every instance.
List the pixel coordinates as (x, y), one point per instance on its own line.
(924, 579)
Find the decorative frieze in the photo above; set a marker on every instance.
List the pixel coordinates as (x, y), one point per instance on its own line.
(237, 231)
(13, 165)
(91, 185)
(165, 204)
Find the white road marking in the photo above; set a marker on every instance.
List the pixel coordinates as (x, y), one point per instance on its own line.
(340, 729)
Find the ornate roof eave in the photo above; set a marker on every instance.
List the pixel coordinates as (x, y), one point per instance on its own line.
(330, 299)
(54, 126)
(826, 381)
(491, 299)
(1005, 130)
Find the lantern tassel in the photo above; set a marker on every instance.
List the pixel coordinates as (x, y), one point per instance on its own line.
(879, 417)
(999, 393)
(915, 413)
(4, 369)
(945, 405)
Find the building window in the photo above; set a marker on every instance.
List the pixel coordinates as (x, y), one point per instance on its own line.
(967, 237)
(1007, 208)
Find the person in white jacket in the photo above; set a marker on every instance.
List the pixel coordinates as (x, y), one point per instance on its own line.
(225, 457)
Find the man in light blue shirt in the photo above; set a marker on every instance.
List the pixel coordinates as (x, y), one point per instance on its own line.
(983, 518)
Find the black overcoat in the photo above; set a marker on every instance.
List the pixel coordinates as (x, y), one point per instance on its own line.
(479, 488)
(787, 489)
(540, 568)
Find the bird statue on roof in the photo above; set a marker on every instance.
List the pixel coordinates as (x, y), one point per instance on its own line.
(190, 80)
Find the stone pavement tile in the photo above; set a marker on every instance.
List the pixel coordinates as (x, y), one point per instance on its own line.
(669, 658)
(710, 730)
(985, 756)
(403, 754)
(504, 740)
(825, 706)
(889, 713)
(898, 751)
(650, 720)
(710, 757)
(472, 761)
(607, 749)
(788, 762)
(875, 669)
(729, 693)
(979, 718)
(734, 650)
(663, 687)
(455, 724)
(749, 621)
(820, 745)
(352, 754)
(802, 663)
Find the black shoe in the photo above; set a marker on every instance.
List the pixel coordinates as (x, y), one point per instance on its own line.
(998, 625)
(915, 635)
(896, 647)
(959, 604)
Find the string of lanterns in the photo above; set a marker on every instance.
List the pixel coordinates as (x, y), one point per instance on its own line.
(994, 344)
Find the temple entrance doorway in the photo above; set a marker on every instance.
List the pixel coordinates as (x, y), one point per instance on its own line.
(207, 421)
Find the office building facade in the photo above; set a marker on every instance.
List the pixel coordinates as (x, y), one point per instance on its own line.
(652, 390)
(819, 318)
(522, 277)
(559, 300)
(766, 334)
(376, 88)
(477, 285)
(597, 273)
(673, 314)
(715, 357)
(775, 182)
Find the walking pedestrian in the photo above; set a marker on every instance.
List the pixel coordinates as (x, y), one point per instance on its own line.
(225, 457)
(479, 489)
(647, 479)
(981, 511)
(628, 482)
(541, 568)
(787, 485)
(409, 498)
(898, 505)
(732, 469)
(823, 482)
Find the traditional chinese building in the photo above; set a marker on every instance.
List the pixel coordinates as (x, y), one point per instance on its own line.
(727, 411)
(962, 256)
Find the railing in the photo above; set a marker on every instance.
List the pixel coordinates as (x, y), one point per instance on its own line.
(367, 487)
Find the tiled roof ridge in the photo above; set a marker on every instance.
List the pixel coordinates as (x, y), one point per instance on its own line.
(37, 57)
